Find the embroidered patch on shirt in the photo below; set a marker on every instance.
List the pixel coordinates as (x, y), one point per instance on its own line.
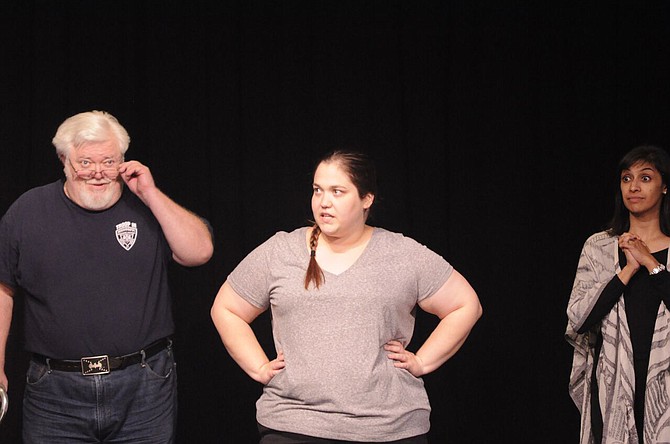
(126, 234)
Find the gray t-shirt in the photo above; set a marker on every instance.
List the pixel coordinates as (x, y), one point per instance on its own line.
(338, 382)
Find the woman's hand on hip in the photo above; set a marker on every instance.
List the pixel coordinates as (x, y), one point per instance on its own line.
(403, 358)
(270, 369)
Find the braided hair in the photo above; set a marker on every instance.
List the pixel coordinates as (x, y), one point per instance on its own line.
(314, 272)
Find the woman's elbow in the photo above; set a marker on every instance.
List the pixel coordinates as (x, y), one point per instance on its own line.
(479, 311)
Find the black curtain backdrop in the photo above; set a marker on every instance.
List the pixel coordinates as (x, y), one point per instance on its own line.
(496, 128)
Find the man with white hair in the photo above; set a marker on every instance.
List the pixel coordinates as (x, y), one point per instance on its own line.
(90, 254)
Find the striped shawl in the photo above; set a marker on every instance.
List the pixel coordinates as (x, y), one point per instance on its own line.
(598, 263)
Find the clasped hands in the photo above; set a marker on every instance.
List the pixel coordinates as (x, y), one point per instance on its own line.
(636, 251)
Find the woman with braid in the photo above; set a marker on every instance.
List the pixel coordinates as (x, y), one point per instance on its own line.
(343, 296)
(618, 318)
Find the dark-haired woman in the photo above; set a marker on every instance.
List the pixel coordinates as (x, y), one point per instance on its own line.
(618, 318)
(343, 297)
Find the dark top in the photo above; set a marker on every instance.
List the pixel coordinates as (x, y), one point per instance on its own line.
(95, 282)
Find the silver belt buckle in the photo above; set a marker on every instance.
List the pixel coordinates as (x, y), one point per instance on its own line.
(95, 365)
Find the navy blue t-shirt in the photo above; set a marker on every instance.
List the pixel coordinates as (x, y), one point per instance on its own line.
(95, 282)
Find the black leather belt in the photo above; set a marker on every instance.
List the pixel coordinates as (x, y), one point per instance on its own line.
(103, 364)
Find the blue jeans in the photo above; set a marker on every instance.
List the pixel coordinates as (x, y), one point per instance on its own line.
(135, 405)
